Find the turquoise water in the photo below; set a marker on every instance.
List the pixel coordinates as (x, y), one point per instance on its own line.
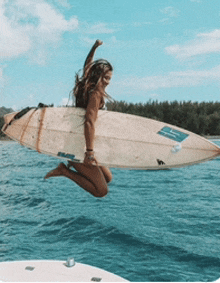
(152, 226)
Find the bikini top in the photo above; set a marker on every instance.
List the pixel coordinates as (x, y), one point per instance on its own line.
(80, 102)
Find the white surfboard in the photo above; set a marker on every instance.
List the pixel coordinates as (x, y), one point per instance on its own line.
(121, 140)
(54, 271)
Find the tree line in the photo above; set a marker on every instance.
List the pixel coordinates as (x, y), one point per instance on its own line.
(3, 111)
(201, 118)
(1, 125)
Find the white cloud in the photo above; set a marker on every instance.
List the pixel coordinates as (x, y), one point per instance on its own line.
(12, 40)
(66, 101)
(29, 25)
(52, 23)
(204, 43)
(214, 34)
(99, 28)
(173, 79)
(170, 12)
(63, 3)
(154, 96)
(110, 28)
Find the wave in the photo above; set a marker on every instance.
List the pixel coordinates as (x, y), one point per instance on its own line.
(152, 225)
(83, 229)
(18, 222)
(16, 199)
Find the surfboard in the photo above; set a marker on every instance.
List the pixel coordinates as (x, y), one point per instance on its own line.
(54, 271)
(121, 140)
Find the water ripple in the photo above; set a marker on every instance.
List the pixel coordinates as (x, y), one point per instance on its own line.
(153, 226)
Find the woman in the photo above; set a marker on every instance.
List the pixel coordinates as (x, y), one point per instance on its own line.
(89, 93)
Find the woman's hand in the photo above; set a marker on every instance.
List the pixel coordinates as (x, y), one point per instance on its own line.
(98, 42)
(90, 158)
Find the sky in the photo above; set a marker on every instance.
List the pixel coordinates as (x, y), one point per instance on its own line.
(161, 50)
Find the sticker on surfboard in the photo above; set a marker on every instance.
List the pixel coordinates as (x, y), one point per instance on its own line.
(173, 134)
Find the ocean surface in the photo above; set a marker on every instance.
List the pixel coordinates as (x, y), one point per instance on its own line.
(152, 226)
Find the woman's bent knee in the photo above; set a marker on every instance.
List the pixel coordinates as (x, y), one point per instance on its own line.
(108, 177)
(101, 193)
(107, 174)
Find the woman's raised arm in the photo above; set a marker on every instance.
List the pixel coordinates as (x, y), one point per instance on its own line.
(90, 56)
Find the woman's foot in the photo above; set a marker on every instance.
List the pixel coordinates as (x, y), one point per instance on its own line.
(59, 171)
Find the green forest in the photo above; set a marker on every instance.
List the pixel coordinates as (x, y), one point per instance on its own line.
(201, 118)
(3, 111)
(1, 125)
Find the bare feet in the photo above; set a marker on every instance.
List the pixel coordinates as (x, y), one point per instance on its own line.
(59, 171)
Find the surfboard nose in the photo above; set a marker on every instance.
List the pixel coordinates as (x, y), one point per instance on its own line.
(9, 117)
(4, 128)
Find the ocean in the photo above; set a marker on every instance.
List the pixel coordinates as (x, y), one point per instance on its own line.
(152, 226)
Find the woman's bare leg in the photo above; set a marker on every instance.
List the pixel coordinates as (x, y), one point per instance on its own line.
(90, 178)
(107, 174)
(81, 167)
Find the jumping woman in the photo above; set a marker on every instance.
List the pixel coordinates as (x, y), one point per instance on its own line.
(89, 93)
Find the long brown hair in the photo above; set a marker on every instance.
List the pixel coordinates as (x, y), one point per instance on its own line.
(86, 84)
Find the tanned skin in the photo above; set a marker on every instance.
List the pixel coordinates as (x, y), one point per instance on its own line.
(89, 175)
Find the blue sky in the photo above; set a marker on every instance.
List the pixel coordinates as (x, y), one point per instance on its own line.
(160, 49)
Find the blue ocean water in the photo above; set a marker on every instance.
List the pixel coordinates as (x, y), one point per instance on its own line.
(152, 226)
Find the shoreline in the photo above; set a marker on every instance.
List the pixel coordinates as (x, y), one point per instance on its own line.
(5, 139)
(211, 137)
